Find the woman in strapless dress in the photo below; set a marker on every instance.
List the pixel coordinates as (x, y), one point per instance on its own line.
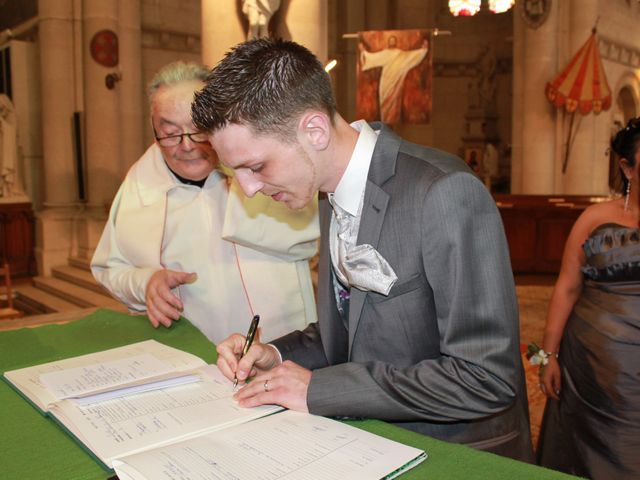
(591, 424)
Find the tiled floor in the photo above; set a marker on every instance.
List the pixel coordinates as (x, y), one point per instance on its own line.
(533, 300)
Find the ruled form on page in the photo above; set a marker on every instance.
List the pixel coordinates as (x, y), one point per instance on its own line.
(285, 445)
(127, 425)
(101, 371)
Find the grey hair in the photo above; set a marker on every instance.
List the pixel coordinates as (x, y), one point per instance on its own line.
(177, 72)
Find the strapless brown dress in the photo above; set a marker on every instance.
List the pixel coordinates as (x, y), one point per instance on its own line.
(594, 430)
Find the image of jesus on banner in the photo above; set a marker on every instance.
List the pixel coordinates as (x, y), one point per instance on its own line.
(394, 76)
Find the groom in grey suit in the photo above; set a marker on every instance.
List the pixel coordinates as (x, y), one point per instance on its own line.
(418, 321)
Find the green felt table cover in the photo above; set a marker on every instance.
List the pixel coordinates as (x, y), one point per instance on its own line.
(33, 446)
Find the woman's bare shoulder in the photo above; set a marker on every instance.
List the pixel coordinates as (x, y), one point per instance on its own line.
(602, 213)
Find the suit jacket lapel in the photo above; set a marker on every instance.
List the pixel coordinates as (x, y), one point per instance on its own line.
(374, 208)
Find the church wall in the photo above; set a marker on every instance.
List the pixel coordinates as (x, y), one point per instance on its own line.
(168, 37)
(456, 60)
(620, 51)
(455, 63)
(539, 170)
(170, 32)
(588, 165)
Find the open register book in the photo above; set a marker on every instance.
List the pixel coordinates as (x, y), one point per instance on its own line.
(154, 412)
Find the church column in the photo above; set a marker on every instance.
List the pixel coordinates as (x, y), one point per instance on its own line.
(588, 168)
(307, 24)
(517, 106)
(57, 46)
(222, 28)
(101, 107)
(534, 118)
(133, 119)
(102, 118)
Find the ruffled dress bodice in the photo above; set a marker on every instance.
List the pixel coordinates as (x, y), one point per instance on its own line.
(613, 254)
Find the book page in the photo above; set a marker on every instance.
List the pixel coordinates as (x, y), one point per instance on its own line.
(104, 376)
(27, 380)
(142, 421)
(144, 387)
(289, 445)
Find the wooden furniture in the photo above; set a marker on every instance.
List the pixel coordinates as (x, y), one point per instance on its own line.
(7, 312)
(537, 227)
(17, 238)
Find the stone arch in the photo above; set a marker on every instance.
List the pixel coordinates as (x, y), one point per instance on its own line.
(626, 97)
(626, 103)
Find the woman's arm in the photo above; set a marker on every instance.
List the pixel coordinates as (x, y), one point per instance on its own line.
(565, 294)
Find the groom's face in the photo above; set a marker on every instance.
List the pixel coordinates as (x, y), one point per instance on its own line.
(266, 164)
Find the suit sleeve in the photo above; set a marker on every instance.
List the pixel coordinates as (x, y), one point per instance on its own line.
(465, 260)
(303, 347)
(126, 282)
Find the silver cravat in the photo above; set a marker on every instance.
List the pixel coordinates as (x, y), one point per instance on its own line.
(359, 266)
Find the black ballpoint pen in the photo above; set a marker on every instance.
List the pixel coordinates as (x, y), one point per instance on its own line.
(253, 328)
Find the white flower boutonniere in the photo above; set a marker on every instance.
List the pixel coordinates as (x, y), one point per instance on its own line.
(538, 356)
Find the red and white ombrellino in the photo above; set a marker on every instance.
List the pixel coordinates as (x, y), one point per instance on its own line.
(582, 85)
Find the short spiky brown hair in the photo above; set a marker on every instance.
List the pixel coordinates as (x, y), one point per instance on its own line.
(265, 84)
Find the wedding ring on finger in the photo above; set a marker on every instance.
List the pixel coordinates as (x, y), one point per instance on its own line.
(266, 385)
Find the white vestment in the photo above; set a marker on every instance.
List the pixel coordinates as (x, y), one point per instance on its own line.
(157, 222)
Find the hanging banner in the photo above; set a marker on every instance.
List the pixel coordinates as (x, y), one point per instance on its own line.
(582, 84)
(394, 76)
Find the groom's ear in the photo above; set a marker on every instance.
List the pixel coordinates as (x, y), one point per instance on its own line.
(314, 128)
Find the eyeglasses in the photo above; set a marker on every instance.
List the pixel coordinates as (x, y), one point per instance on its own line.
(174, 140)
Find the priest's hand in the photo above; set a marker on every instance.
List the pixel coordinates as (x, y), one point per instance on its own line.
(163, 306)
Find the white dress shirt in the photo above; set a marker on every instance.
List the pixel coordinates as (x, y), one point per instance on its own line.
(349, 193)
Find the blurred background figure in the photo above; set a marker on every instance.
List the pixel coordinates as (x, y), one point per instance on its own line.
(258, 13)
(10, 182)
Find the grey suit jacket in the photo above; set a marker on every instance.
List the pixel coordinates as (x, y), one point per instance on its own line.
(439, 354)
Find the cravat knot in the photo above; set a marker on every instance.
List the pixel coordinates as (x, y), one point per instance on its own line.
(359, 266)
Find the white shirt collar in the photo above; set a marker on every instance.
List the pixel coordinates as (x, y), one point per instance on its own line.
(154, 179)
(350, 189)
